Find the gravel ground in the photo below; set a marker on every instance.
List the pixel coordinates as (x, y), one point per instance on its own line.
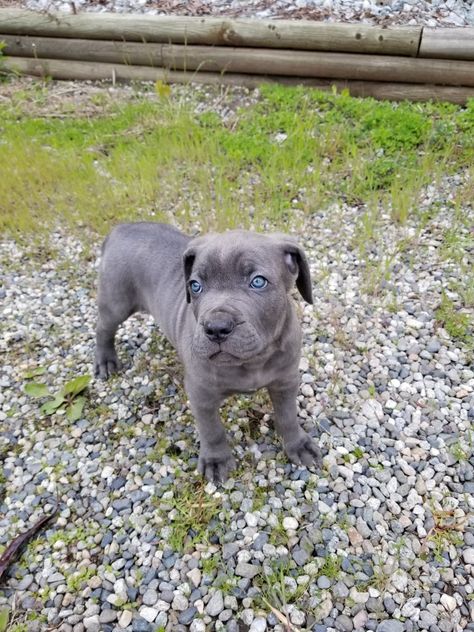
(379, 538)
(387, 12)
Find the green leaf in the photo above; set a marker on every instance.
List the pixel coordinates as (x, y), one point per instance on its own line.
(34, 389)
(4, 619)
(76, 386)
(74, 411)
(39, 370)
(50, 407)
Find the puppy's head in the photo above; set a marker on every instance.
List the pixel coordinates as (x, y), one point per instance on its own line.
(238, 284)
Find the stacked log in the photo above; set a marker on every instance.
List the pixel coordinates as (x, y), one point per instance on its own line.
(387, 63)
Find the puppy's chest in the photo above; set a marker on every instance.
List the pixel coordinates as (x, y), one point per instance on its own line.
(246, 379)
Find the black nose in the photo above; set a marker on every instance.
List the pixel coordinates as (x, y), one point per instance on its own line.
(218, 327)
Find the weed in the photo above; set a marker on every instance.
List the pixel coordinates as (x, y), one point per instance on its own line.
(459, 451)
(68, 399)
(331, 567)
(76, 581)
(195, 515)
(458, 324)
(278, 586)
(209, 565)
(358, 452)
(447, 531)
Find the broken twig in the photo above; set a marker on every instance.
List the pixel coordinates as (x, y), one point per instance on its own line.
(10, 554)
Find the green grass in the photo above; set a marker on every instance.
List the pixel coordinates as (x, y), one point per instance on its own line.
(331, 567)
(192, 513)
(276, 591)
(294, 151)
(458, 324)
(84, 165)
(78, 579)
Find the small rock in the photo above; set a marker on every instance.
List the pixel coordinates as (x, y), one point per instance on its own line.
(194, 576)
(354, 536)
(197, 625)
(324, 582)
(251, 519)
(390, 625)
(307, 390)
(92, 624)
(360, 620)
(344, 623)
(150, 597)
(149, 614)
(125, 619)
(400, 580)
(259, 624)
(187, 616)
(244, 569)
(290, 523)
(216, 604)
(180, 602)
(107, 616)
(449, 602)
(468, 556)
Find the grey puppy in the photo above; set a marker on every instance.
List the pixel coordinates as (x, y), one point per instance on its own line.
(223, 302)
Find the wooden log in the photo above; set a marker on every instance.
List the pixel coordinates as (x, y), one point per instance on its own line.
(247, 60)
(61, 69)
(448, 43)
(300, 35)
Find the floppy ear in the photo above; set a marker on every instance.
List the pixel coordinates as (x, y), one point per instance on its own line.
(297, 263)
(188, 261)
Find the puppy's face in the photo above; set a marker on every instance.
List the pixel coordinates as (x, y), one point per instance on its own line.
(238, 284)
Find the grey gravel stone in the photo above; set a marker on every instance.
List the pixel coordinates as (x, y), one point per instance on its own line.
(390, 625)
(216, 604)
(247, 570)
(468, 555)
(187, 615)
(324, 582)
(344, 623)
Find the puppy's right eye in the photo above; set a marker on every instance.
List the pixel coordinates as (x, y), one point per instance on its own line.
(196, 287)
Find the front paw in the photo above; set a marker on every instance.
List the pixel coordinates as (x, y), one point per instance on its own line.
(216, 467)
(106, 364)
(304, 451)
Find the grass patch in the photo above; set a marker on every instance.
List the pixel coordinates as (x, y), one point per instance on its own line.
(446, 532)
(193, 515)
(294, 151)
(77, 580)
(457, 323)
(279, 587)
(331, 567)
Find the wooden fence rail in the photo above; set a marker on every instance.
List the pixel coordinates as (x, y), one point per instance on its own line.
(394, 63)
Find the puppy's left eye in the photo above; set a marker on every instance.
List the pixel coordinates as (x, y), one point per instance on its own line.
(196, 287)
(259, 282)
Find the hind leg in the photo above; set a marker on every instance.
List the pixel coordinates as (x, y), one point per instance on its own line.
(106, 361)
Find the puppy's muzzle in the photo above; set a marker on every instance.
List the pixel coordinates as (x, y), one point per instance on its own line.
(218, 326)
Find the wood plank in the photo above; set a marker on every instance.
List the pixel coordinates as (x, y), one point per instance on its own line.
(61, 69)
(448, 43)
(248, 60)
(300, 35)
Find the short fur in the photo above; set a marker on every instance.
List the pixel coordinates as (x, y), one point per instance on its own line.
(148, 267)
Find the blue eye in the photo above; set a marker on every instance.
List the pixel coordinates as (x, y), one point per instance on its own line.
(259, 282)
(196, 287)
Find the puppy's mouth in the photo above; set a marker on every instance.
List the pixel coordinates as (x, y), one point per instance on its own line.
(242, 344)
(221, 354)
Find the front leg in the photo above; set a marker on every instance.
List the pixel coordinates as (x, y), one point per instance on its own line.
(299, 446)
(215, 456)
